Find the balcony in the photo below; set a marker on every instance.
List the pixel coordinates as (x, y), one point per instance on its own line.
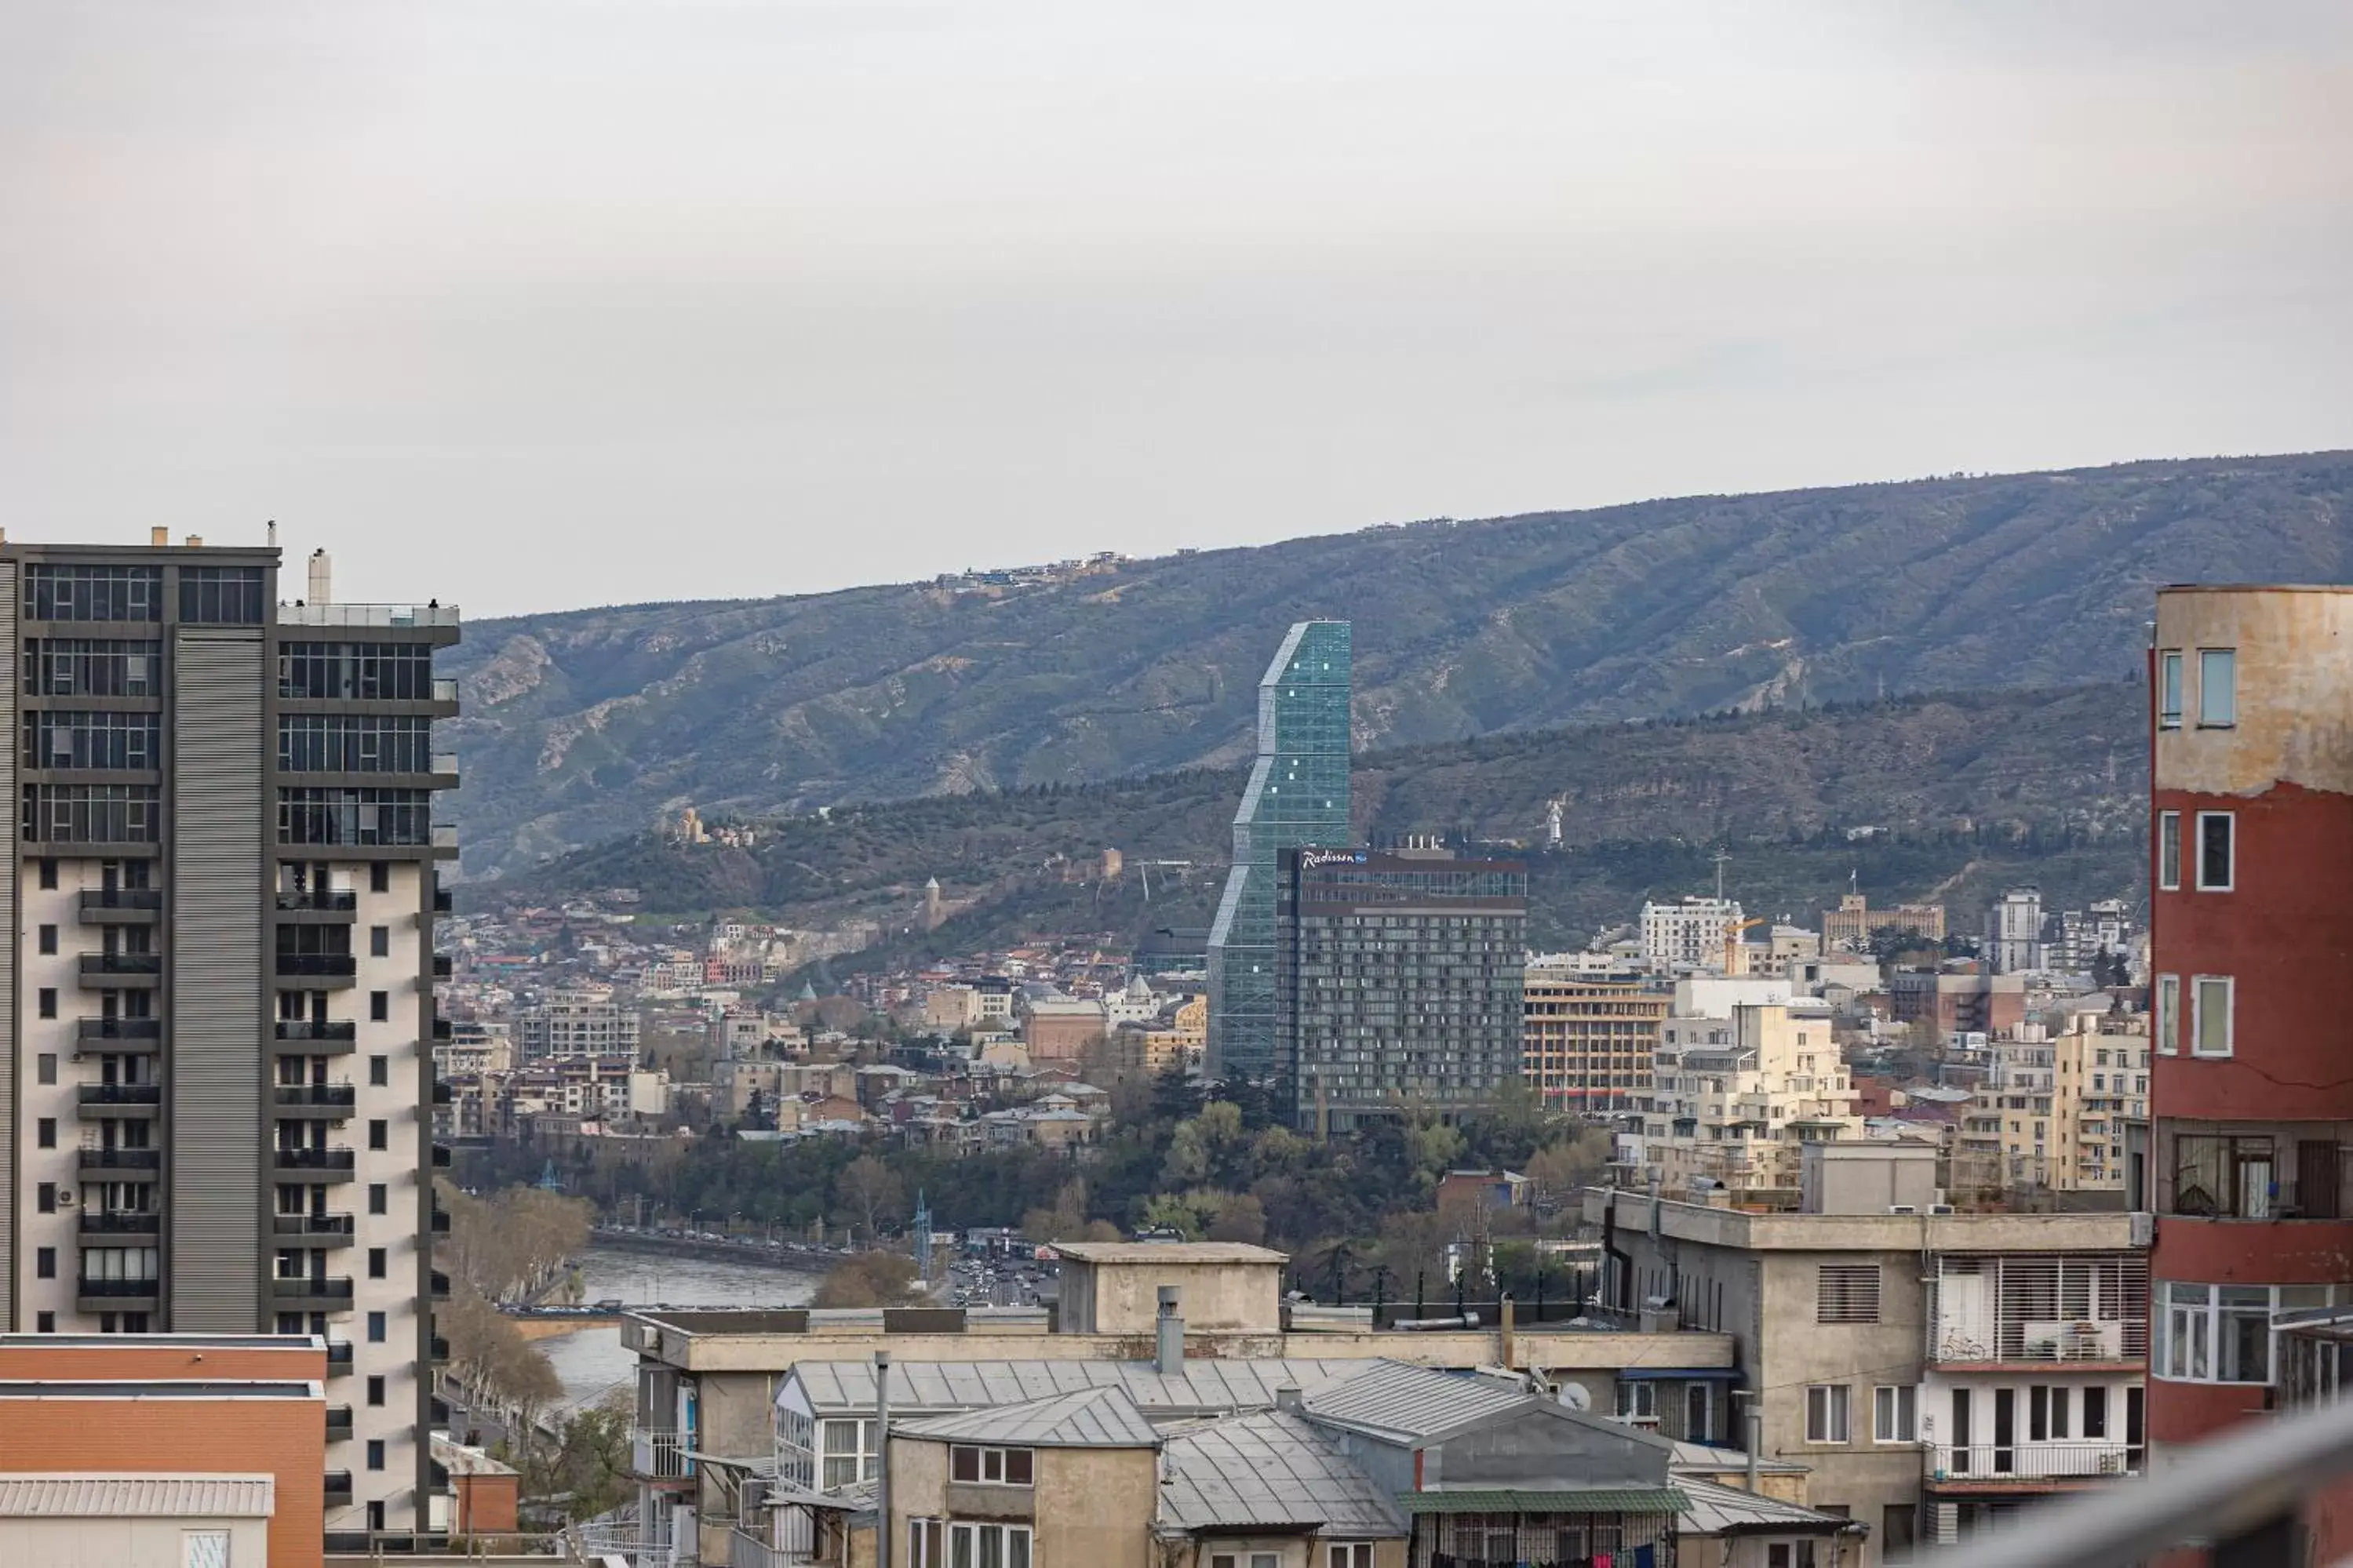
(339, 1358)
(122, 1159)
(445, 765)
(112, 1099)
(338, 1487)
(445, 691)
(2086, 1309)
(316, 1164)
(442, 900)
(121, 971)
(116, 1295)
(122, 1034)
(659, 1456)
(338, 1423)
(442, 1093)
(330, 968)
(442, 1033)
(323, 1293)
(745, 1550)
(2029, 1467)
(445, 837)
(314, 1228)
(437, 1350)
(443, 966)
(298, 1036)
(331, 1100)
(402, 616)
(121, 906)
(316, 905)
(440, 1285)
(440, 1156)
(440, 1222)
(112, 1227)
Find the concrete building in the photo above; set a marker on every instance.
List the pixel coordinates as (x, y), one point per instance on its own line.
(1297, 795)
(1586, 1045)
(578, 1023)
(1113, 1286)
(215, 1085)
(2252, 1112)
(1396, 981)
(1932, 1369)
(1063, 1031)
(1689, 933)
(2014, 944)
(1962, 998)
(1737, 1099)
(2053, 1110)
(1849, 926)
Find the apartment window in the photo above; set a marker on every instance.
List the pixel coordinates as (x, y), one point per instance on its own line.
(853, 1451)
(353, 743)
(2216, 839)
(92, 814)
(376, 1328)
(45, 1263)
(375, 1262)
(993, 1545)
(376, 1454)
(1348, 1554)
(1826, 1413)
(45, 1067)
(380, 1071)
(2168, 690)
(46, 1000)
(925, 1545)
(379, 876)
(379, 1198)
(2096, 1411)
(379, 941)
(375, 1389)
(1638, 1400)
(373, 672)
(990, 1466)
(45, 1198)
(94, 593)
(2167, 1007)
(63, 738)
(326, 816)
(204, 1549)
(45, 1133)
(221, 596)
(379, 1006)
(45, 1322)
(93, 666)
(379, 1135)
(1247, 1560)
(2218, 688)
(1894, 1415)
(48, 939)
(2218, 1333)
(2209, 1016)
(1847, 1293)
(48, 874)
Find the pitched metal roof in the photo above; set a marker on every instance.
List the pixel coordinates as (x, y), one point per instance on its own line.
(1714, 1509)
(1501, 1500)
(1391, 1399)
(76, 1495)
(1207, 1385)
(1701, 1458)
(1168, 1252)
(1267, 1469)
(1090, 1419)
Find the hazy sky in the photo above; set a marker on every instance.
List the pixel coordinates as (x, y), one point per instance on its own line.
(535, 305)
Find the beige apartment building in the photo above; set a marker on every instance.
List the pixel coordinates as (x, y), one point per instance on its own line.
(1734, 1100)
(2052, 1114)
(1851, 924)
(1589, 1044)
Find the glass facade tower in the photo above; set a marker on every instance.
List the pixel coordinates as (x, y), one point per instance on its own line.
(1297, 796)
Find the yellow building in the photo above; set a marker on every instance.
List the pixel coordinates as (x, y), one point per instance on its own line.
(1737, 1099)
(2052, 1114)
(1589, 1044)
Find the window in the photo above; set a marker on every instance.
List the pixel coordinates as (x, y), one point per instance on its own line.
(48, 874)
(378, 1198)
(1826, 1418)
(45, 1133)
(1637, 1401)
(380, 1071)
(46, 1000)
(204, 1549)
(379, 1135)
(48, 940)
(376, 1328)
(2215, 835)
(988, 1545)
(853, 1452)
(2218, 688)
(94, 593)
(375, 1262)
(68, 739)
(2168, 690)
(923, 1544)
(353, 743)
(1847, 1293)
(2168, 1015)
(380, 876)
(399, 672)
(92, 814)
(45, 1263)
(375, 1389)
(45, 1322)
(92, 667)
(369, 815)
(1894, 1415)
(379, 941)
(2220, 1333)
(46, 1198)
(376, 1454)
(45, 1067)
(221, 596)
(379, 1006)
(989, 1467)
(2209, 1022)
(1348, 1554)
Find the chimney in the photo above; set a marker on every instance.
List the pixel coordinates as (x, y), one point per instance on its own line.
(1168, 1349)
(195, 541)
(1287, 1397)
(1509, 1314)
(322, 575)
(159, 537)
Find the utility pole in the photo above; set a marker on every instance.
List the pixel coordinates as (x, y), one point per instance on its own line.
(882, 1481)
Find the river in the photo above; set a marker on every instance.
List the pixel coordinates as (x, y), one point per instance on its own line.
(592, 1363)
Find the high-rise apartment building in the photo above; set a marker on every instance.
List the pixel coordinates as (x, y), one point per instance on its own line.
(578, 1024)
(1397, 981)
(216, 1073)
(2014, 942)
(1590, 1045)
(1692, 932)
(2247, 1169)
(1297, 796)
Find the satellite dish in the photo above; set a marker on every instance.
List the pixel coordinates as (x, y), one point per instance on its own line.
(1576, 1396)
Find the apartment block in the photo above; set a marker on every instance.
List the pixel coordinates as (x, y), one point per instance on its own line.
(217, 1076)
(1692, 932)
(1736, 1100)
(1588, 1045)
(576, 1024)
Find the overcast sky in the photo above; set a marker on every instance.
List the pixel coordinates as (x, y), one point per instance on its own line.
(537, 305)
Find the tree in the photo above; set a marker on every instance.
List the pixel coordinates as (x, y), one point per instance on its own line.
(870, 1189)
(1240, 1218)
(1561, 1168)
(871, 1279)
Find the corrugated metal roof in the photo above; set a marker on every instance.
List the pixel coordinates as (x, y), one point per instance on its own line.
(1689, 1456)
(1714, 1509)
(1208, 1387)
(1090, 1419)
(108, 1495)
(1270, 1468)
(1391, 1399)
(1597, 1499)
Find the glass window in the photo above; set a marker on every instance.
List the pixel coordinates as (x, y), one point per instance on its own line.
(221, 596)
(2167, 1007)
(1894, 1415)
(92, 814)
(375, 1326)
(94, 592)
(2168, 851)
(376, 1454)
(2210, 1025)
(1826, 1413)
(354, 816)
(2215, 835)
(92, 667)
(2168, 690)
(2218, 688)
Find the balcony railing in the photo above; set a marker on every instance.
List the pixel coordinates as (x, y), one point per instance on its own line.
(333, 902)
(1992, 1464)
(659, 1456)
(312, 1224)
(122, 1159)
(306, 615)
(444, 836)
(121, 1094)
(308, 1288)
(331, 965)
(751, 1552)
(115, 1289)
(121, 965)
(120, 1029)
(121, 1222)
(317, 1096)
(339, 1487)
(122, 899)
(314, 1159)
(306, 1029)
(338, 1423)
(338, 1357)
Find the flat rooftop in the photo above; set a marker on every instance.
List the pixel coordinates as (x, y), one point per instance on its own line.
(1197, 1252)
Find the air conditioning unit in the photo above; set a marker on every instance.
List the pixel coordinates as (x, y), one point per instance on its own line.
(1902, 1208)
(1941, 1208)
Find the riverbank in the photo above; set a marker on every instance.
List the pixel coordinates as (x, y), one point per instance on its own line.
(752, 1251)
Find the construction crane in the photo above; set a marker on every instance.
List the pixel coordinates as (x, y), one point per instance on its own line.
(1735, 952)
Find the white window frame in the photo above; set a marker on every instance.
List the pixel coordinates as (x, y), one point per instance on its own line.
(2209, 660)
(2168, 851)
(1349, 1554)
(1638, 1399)
(921, 1535)
(1828, 1418)
(2169, 688)
(2165, 1003)
(2198, 984)
(1895, 1413)
(2231, 831)
(968, 1535)
(991, 1456)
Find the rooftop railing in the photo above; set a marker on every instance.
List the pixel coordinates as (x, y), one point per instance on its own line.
(302, 614)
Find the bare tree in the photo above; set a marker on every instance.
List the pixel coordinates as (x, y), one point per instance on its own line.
(870, 1189)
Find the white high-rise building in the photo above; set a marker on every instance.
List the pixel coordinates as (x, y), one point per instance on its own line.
(1687, 932)
(2014, 932)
